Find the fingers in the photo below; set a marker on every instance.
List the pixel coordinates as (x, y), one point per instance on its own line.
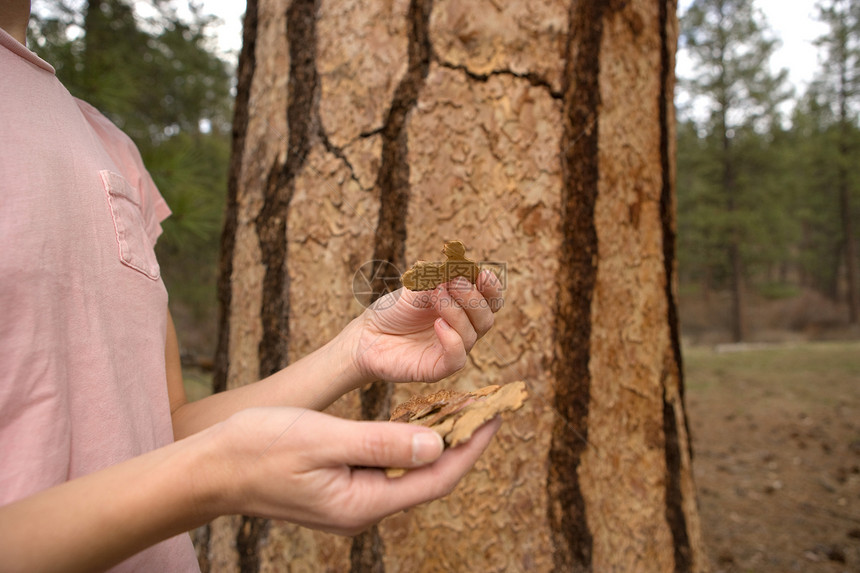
(382, 444)
(485, 293)
(382, 496)
(490, 287)
(477, 308)
(420, 298)
(454, 463)
(465, 308)
(306, 473)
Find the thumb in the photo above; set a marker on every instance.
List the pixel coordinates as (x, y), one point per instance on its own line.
(387, 445)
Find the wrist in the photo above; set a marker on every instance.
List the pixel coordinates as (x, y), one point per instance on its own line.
(215, 484)
(346, 353)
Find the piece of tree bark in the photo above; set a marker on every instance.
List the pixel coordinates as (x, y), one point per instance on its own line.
(428, 275)
(541, 133)
(455, 416)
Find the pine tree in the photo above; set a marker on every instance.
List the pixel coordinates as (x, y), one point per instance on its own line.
(813, 184)
(730, 47)
(839, 84)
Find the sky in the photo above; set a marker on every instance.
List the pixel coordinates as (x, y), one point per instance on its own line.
(230, 30)
(794, 23)
(791, 20)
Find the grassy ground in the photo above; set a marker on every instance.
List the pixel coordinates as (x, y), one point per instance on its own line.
(776, 435)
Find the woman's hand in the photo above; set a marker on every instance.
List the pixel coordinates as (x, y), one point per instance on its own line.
(425, 335)
(285, 463)
(313, 469)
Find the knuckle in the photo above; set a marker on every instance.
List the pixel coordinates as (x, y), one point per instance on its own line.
(470, 336)
(489, 321)
(473, 337)
(457, 362)
(377, 447)
(497, 303)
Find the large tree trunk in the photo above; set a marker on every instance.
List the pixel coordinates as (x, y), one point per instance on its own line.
(541, 134)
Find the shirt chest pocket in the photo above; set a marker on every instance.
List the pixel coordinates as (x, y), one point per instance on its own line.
(135, 248)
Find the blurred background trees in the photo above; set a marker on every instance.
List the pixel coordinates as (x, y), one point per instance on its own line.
(838, 86)
(767, 199)
(730, 49)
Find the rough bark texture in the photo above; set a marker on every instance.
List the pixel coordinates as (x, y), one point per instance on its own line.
(540, 133)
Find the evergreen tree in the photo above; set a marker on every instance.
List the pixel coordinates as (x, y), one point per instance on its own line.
(730, 47)
(701, 250)
(839, 85)
(814, 187)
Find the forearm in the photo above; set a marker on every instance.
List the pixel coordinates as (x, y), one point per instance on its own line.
(289, 464)
(313, 382)
(414, 337)
(94, 522)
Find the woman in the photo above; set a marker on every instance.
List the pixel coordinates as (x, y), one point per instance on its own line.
(103, 462)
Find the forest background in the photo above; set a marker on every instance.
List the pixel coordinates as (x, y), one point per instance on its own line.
(768, 177)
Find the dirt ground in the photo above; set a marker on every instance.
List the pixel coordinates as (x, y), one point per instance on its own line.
(776, 436)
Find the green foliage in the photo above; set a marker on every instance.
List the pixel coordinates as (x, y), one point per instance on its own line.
(789, 213)
(778, 290)
(153, 78)
(701, 219)
(744, 176)
(838, 79)
(160, 80)
(730, 46)
(729, 181)
(837, 90)
(814, 190)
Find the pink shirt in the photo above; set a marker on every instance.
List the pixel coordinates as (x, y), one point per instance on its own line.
(82, 307)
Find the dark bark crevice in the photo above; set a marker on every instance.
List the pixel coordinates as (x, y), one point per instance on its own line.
(245, 75)
(389, 244)
(367, 552)
(572, 539)
(271, 225)
(675, 516)
(340, 154)
(393, 177)
(251, 531)
(202, 538)
(536, 80)
(271, 222)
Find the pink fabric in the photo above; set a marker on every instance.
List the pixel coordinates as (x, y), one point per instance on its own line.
(82, 306)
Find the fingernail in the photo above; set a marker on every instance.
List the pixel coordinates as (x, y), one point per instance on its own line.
(489, 277)
(444, 324)
(426, 447)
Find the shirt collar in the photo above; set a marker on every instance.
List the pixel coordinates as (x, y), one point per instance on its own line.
(19, 49)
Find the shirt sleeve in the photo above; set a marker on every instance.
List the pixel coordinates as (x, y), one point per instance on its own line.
(126, 156)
